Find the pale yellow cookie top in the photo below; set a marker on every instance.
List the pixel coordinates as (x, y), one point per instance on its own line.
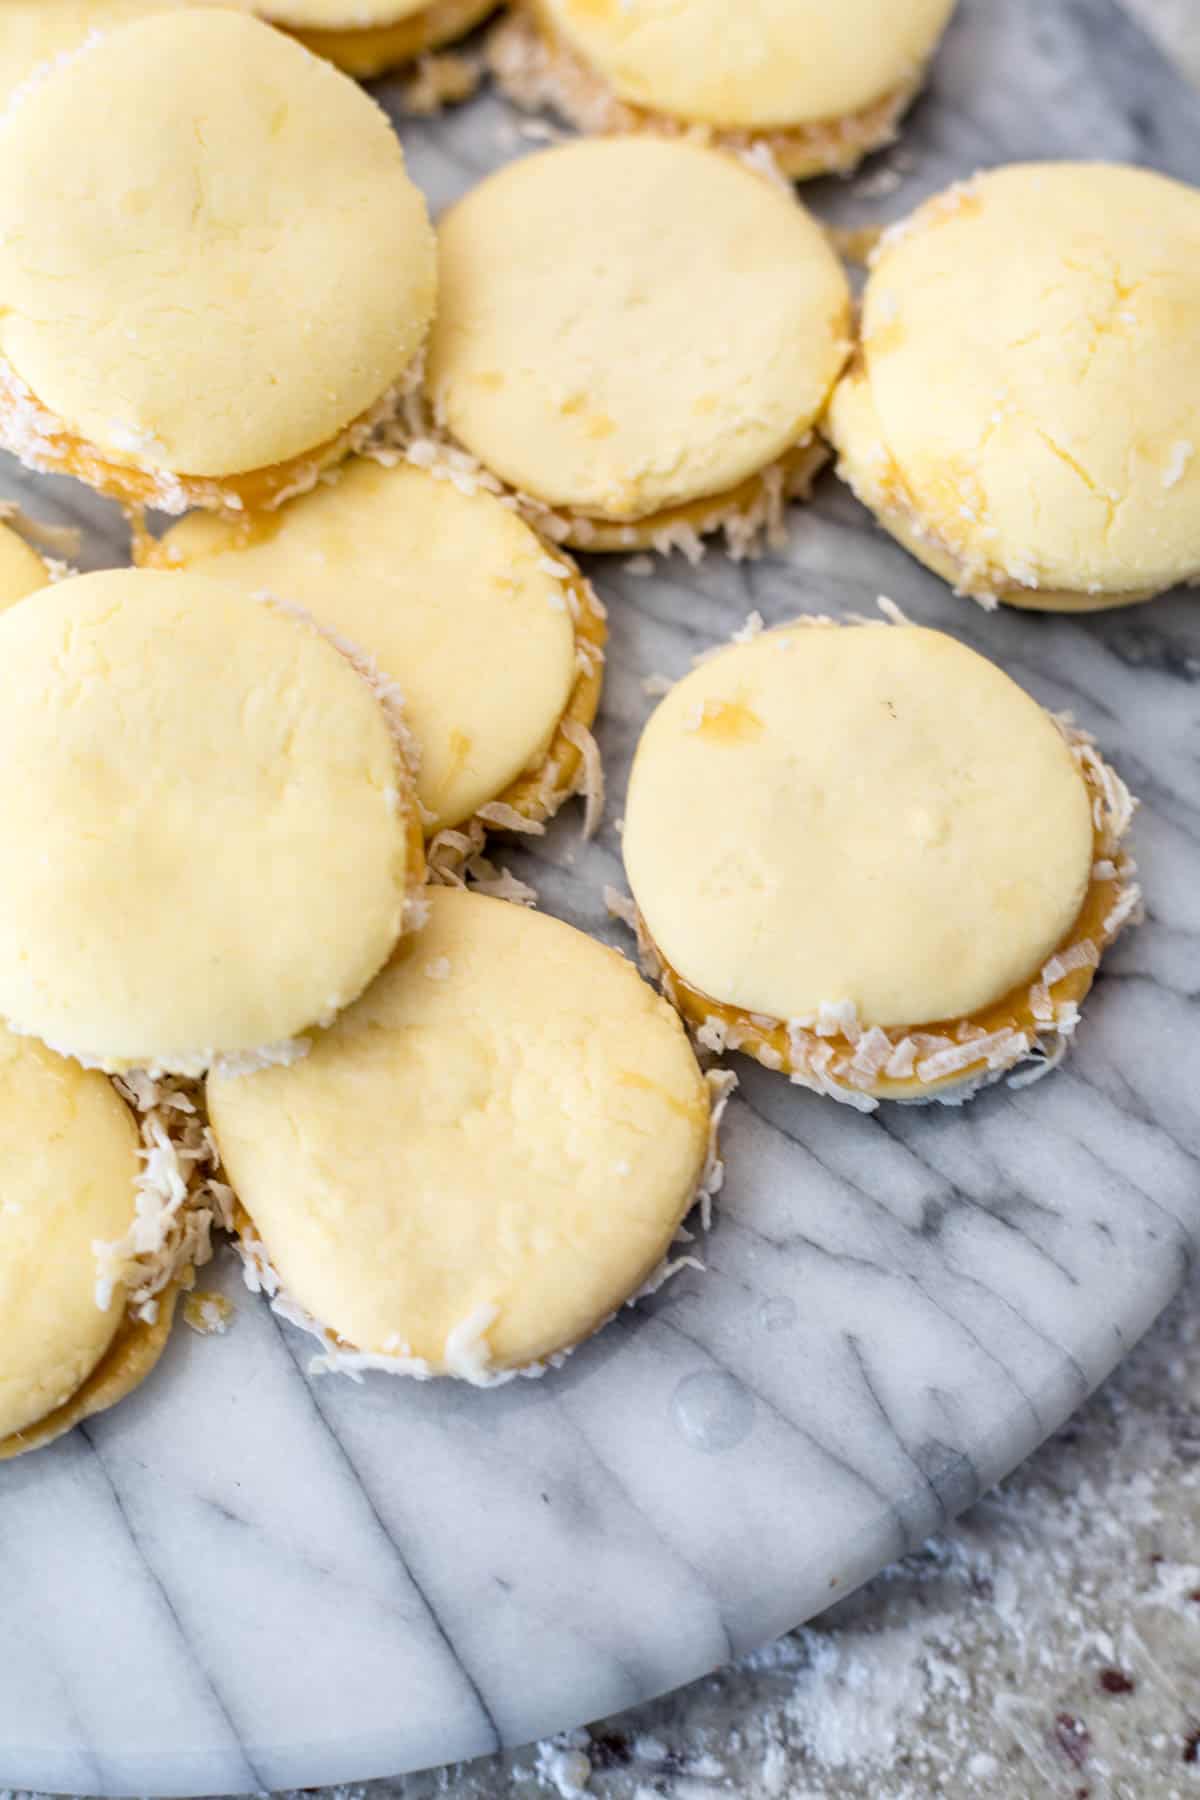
(498, 1141)
(205, 846)
(34, 32)
(760, 64)
(864, 814)
(68, 1162)
(626, 324)
(451, 594)
(22, 570)
(223, 262)
(1031, 371)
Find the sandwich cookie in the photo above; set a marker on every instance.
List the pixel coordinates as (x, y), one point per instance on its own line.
(222, 277)
(497, 646)
(818, 83)
(1028, 425)
(867, 858)
(68, 1174)
(210, 829)
(481, 1161)
(639, 337)
(368, 37)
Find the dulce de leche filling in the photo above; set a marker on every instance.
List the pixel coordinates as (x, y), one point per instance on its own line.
(860, 1066)
(43, 441)
(746, 513)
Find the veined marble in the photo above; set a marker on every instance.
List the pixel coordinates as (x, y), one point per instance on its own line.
(249, 1578)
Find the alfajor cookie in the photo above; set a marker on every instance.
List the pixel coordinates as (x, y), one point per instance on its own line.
(496, 645)
(221, 278)
(1028, 425)
(638, 336)
(818, 83)
(866, 857)
(367, 37)
(68, 1173)
(210, 829)
(481, 1160)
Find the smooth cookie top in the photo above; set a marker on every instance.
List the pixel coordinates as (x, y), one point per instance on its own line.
(627, 324)
(486, 1155)
(868, 814)
(205, 822)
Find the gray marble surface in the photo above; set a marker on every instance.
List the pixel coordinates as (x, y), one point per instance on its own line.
(247, 1579)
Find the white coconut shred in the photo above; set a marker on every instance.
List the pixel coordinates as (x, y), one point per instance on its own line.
(180, 1199)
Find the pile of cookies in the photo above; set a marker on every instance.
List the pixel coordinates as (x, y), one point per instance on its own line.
(258, 968)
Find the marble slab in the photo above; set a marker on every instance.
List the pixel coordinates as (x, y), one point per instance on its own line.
(247, 1578)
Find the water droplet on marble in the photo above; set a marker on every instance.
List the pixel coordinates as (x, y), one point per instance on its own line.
(777, 1313)
(712, 1411)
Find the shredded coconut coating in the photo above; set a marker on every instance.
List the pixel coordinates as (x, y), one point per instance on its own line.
(439, 81)
(44, 442)
(180, 1197)
(537, 71)
(752, 518)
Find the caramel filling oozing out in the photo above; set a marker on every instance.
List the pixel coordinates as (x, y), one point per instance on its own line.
(743, 511)
(1006, 1031)
(42, 441)
(538, 794)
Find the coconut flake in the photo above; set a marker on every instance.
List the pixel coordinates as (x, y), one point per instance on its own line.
(712, 1035)
(1180, 456)
(1083, 955)
(441, 80)
(178, 1196)
(507, 818)
(591, 777)
(999, 1049)
(251, 1062)
(838, 1018)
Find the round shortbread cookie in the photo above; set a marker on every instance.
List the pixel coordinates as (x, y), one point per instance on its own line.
(627, 325)
(1025, 411)
(485, 1156)
(872, 818)
(222, 266)
(68, 1164)
(208, 826)
(333, 28)
(762, 66)
(451, 594)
